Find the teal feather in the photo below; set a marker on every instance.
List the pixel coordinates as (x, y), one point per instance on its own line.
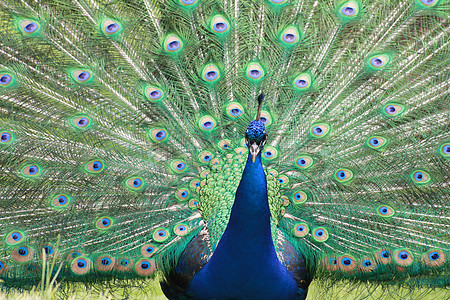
(122, 135)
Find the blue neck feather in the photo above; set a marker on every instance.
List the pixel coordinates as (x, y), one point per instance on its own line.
(245, 264)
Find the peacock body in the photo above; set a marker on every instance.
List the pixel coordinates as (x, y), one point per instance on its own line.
(132, 144)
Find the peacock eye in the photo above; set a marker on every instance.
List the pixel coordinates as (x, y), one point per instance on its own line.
(48, 250)
(181, 229)
(104, 223)
(182, 194)
(95, 166)
(29, 26)
(301, 229)
(111, 27)
(421, 177)
(304, 162)
(124, 262)
(343, 175)
(254, 72)
(429, 2)
(135, 183)
(173, 44)
(83, 76)
(5, 79)
(220, 25)
(106, 261)
(187, 2)
(160, 235)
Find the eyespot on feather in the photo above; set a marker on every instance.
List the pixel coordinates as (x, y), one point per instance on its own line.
(302, 82)
(385, 211)
(224, 144)
(266, 118)
(50, 251)
(211, 73)
(346, 263)
(30, 171)
(95, 166)
(60, 201)
(3, 267)
(426, 4)
(220, 25)
(182, 194)
(393, 109)
(178, 166)
(153, 93)
(15, 237)
(343, 175)
(383, 256)
(111, 27)
(330, 263)
(240, 150)
(22, 254)
(80, 265)
(320, 234)
(188, 3)
(181, 229)
(277, 2)
(6, 79)
(207, 123)
(158, 135)
(367, 265)
(290, 36)
(124, 264)
(105, 263)
(135, 183)
(104, 223)
(269, 153)
(304, 162)
(299, 197)
(173, 44)
(81, 122)
(194, 184)
(301, 229)
(82, 76)
(444, 150)
(283, 180)
(234, 110)
(434, 258)
(420, 177)
(145, 267)
(161, 235)
(403, 257)
(148, 250)
(193, 204)
(349, 10)
(376, 142)
(254, 72)
(274, 173)
(319, 130)
(29, 27)
(379, 61)
(205, 157)
(285, 200)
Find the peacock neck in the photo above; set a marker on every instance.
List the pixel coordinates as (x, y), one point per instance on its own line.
(245, 262)
(249, 222)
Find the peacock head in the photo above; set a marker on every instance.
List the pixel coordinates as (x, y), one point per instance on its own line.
(256, 133)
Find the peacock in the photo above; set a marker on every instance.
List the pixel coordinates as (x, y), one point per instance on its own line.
(233, 149)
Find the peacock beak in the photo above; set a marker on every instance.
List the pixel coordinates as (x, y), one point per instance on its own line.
(254, 150)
